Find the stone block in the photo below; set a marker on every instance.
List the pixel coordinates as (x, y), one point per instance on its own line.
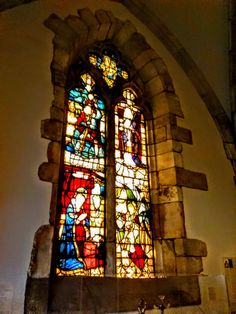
(164, 120)
(56, 113)
(59, 97)
(183, 177)
(105, 24)
(61, 60)
(168, 176)
(58, 26)
(116, 25)
(40, 264)
(153, 88)
(79, 27)
(191, 179)
(172, 220)
(134, 46)
(119, 295)
(160, 134)
(167, 82)
(179, 134)
(158, 257)
(58, 77)
(165, 103)
(168, 146)
(124, 34)
(169, 160)
(92, 23)
(143, 58)
(169, 194)
(148, 71)
(49, 172)
(63, 43)
(153, 177)
(53, 204)
(152, 163)
(54, 152)
(190, 247)
(151, 149)
(156, 230)
(189, 265)
(154, 196)
(51, 129)
(150, 137)
(149, 123)
(168, 253)
(36, 295)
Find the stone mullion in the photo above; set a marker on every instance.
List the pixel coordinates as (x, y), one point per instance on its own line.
(110, 214)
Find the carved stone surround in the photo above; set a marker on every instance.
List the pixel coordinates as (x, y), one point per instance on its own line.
(176, 257)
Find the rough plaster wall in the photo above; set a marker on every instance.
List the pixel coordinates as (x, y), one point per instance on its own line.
(203, 31)
(25, 97)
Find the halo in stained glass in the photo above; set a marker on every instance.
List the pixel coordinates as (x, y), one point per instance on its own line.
(81, 246)
(134, 251)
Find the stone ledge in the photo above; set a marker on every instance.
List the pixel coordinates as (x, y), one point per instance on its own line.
(115, 295)
(183, 177)
(190, 247)
(189, 265)
(180, 134)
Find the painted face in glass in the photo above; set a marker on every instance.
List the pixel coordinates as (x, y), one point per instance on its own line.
(134, 241)
(81, 231)
(81, 243)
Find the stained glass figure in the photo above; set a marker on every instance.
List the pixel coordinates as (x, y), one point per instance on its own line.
(81, 228)
(134, 240)
(109, 67)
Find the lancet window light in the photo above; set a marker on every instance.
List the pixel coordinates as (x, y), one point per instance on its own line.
(83, 206)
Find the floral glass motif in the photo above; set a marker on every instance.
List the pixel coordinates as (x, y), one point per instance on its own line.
(134, 252)
(81, 227)
(109, 67)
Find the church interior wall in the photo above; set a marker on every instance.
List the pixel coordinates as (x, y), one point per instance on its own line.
(26, 95)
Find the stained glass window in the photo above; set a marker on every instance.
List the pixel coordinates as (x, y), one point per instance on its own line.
(82, 229)
(134, 254)
(109, 67)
